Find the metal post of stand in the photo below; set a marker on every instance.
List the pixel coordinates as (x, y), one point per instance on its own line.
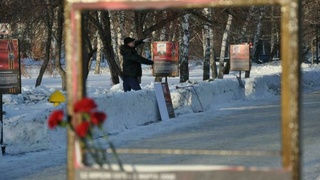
(3, 147)
(241, 84)
(317, 46)
(166, 79)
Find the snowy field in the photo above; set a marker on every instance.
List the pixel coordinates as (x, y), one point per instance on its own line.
(25, 121)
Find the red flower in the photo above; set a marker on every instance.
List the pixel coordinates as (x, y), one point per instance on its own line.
(55, 119)
(82, 129)
(84, 105)
(97, 118)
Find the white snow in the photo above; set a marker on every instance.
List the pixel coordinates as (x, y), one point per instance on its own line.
(25, 121)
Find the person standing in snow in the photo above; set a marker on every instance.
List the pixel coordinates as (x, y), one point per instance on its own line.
(131, 65)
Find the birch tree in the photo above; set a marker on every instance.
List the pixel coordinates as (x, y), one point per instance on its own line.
(120, 33)
(108, 50)
(206, 47)
(184, 58)
(97, 68)
(258, 33)
(162, 37)
(60, 23)
(207, 18)
(48, 19)
(275, 38)
(243, 36)
(87, 46)
(114, 25)
(99, 48)
(213, 65)
(223, 46)
(311, 26)
(104, 29)
(163, 32)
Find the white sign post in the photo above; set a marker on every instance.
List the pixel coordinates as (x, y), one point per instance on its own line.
(164, 101)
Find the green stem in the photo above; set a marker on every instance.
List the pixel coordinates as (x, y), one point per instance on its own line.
(93, 153)
(113, 149)
(104, 156)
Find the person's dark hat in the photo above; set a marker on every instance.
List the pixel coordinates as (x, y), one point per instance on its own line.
(128, 40)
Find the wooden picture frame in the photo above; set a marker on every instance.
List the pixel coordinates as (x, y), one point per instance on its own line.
(290, 56)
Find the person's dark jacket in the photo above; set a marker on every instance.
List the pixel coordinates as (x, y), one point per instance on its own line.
(132, 61)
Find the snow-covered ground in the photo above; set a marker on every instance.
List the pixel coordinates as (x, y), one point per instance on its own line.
(25, 121)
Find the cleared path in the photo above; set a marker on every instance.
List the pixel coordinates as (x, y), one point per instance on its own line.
(247, 125)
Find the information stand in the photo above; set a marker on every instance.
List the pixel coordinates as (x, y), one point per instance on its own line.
(240, 59)
(165, 56)
(10, 76)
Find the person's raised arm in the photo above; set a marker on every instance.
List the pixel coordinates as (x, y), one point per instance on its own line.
(140, 59)
(140, 41)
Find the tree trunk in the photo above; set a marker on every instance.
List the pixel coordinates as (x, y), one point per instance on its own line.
(120, 37)
(244, 37)
(108, 49)
(114, 36)
(257, 35)
(223, 47)
(184, 64)
(206, 48)
(61, 71)
(272, 39)
(162, 37)
(99, 48)
(139, 19)
(44, 65)
(87, 48)
(274, 46)
(98, 56)
(94, 50)
(275, 41)
(171, 32)
(113, 67)
(163, 32)
(104, 30)
(213, 65)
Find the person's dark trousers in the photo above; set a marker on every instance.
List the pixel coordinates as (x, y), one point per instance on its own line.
(130, 83)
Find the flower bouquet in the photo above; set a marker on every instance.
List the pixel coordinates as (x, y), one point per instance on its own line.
(91, 121)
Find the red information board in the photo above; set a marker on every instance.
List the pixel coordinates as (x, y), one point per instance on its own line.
(239, 57)
(10, 78)
(165, 57)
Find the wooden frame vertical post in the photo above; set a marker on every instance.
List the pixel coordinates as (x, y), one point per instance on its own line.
(290, 86)
(75, 81)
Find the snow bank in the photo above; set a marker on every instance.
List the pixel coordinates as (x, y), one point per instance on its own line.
(26, 125)
(263, 86)
(270, 85)
(32, 134)
(25, 121)
(311, 80)
(126, 110)
(188, 98)
(136, 108)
